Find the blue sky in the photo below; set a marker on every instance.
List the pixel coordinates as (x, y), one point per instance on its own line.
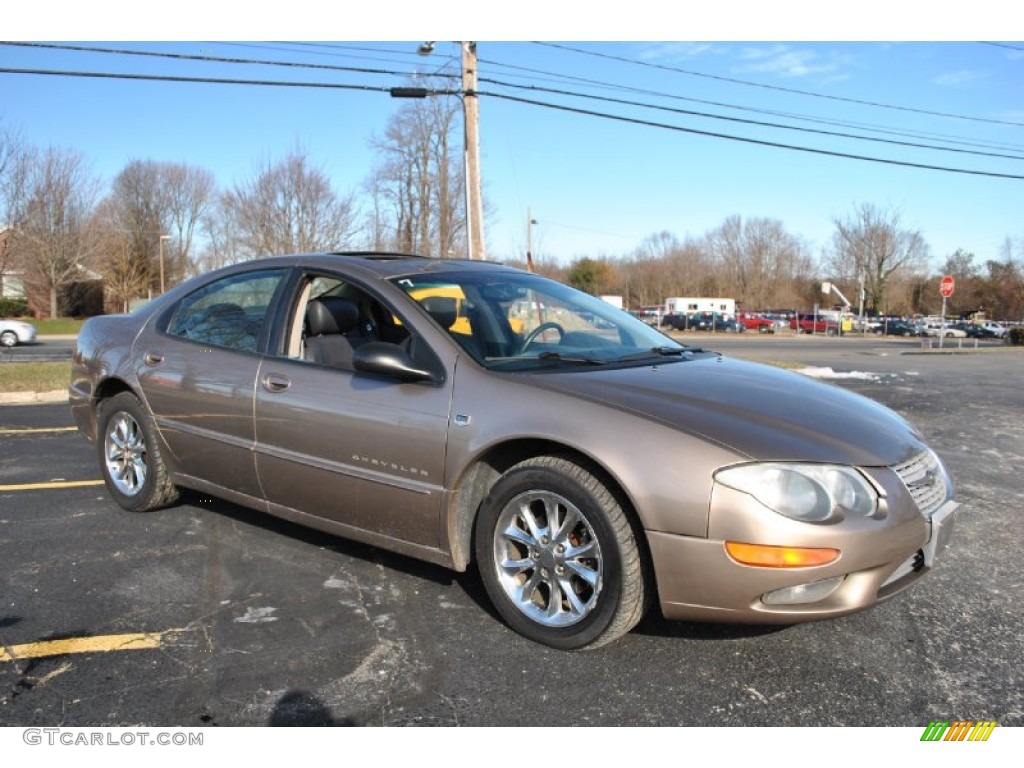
(596, 186)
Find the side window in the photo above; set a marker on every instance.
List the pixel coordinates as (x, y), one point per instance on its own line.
(333, 317)
(229, 312)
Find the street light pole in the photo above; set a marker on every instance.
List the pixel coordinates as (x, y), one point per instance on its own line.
(162, 238)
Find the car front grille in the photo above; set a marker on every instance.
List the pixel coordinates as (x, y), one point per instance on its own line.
(926, 479)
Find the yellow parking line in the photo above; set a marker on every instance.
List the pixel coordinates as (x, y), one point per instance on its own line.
(95, 644)
(34, 430)
(54, 484)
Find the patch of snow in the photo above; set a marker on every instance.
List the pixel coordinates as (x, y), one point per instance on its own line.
(828, 373)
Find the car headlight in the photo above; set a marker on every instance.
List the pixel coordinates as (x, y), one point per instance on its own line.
(810, 492)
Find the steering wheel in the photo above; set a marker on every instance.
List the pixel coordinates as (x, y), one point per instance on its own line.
(532, 335)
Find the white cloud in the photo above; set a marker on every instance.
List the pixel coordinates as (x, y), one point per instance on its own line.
(958, 79)
(787, 62)
(675, 52)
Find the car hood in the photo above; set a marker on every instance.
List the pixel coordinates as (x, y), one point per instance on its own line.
(758, 411)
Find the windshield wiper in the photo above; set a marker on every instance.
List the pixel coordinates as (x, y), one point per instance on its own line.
(657, 351)
(558, 357)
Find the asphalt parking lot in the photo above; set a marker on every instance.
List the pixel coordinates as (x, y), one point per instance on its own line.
(211, 614)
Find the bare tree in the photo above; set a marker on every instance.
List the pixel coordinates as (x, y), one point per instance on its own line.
(288, 207)
(1002, 293)
(418, 187)
(13, 173)
(124, 276)
(758, 261)
(51, 239)
(190, 199)
(872, 244)
(222, 246)
(136, 215)
(152, 202)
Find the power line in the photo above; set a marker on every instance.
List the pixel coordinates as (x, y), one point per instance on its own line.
(747, 121)
(947, 138)
(214, 80)
(887, 130)
(436, 92)
(747, 140)
(780, 88)
(391, 72)
(207, 58)
(1004, 45)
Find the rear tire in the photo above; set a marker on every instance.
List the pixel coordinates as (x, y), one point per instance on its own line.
(559, 555)
(130, 459)
(8, 339)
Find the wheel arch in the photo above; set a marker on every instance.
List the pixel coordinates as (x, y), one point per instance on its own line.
(480, 476)
(109, 387)
(85, 404)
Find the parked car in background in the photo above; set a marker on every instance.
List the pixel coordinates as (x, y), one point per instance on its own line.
(676, 321)
(996, 329)
(944, 330)
(649, 315)
(974, 330)
(756, 321)
(342, 392)
(805, 322)
(897, 328)
(14, 332)
(715, 321)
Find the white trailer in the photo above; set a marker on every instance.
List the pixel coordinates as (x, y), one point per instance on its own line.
(688, 305)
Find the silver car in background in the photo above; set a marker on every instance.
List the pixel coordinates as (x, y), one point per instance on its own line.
(14, 332)
(470, 413)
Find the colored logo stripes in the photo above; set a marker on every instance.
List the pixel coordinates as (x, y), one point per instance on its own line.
(958, 730)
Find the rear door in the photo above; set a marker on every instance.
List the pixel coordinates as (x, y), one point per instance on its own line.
(197, 369)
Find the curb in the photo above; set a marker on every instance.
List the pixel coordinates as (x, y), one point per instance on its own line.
(33, 398)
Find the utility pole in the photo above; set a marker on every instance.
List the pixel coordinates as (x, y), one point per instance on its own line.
(162, 238)
(471, 121)
(470, 142)
(530, 221)
(863, 325)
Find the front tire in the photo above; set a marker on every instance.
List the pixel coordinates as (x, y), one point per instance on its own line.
(130, 459)
(559, 556)
(8, 339)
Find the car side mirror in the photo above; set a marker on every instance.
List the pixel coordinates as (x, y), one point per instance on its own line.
(391, 360)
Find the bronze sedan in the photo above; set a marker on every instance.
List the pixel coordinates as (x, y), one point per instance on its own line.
(465, 412)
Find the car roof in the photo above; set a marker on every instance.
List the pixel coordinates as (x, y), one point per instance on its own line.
(387, 265)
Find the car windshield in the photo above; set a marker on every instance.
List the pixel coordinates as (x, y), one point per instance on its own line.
(520, 321)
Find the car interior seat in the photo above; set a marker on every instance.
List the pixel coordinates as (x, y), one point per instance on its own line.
(330, 323)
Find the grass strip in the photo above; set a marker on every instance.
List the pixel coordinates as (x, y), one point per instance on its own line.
(34, 377)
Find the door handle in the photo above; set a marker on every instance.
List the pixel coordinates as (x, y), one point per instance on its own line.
(275, 382)
(153, 358)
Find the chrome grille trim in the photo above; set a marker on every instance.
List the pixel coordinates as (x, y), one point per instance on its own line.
(925, 479)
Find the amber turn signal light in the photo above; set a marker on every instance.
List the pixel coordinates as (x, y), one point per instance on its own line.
(766, 556)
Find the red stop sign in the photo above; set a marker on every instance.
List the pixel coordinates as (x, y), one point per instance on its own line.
(946, 286)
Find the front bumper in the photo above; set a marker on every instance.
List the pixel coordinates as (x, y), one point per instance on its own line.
(698, 580)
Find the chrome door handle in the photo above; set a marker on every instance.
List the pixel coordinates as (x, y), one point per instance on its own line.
(153, 358)
(275, 382)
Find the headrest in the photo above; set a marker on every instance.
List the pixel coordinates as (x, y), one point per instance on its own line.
(331, 314)
(444, 310)
(224, 313)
